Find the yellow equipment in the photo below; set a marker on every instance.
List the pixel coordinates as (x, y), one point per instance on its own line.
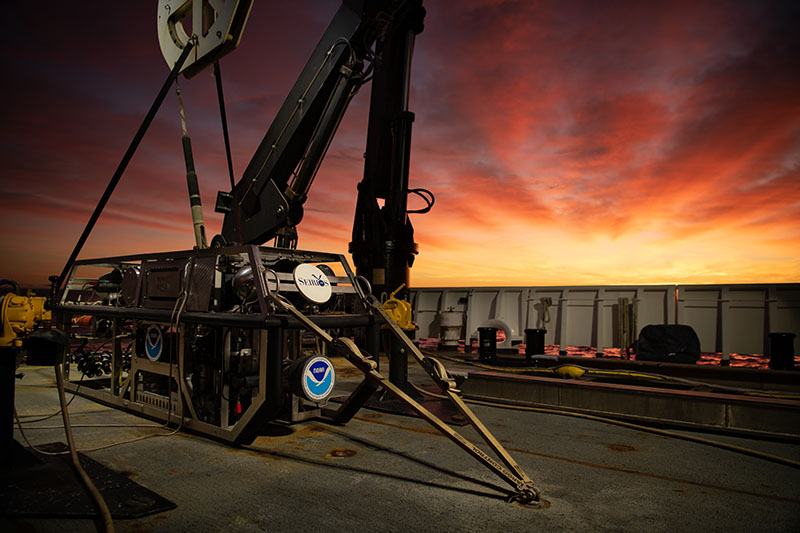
(399, 310)
(19, 316)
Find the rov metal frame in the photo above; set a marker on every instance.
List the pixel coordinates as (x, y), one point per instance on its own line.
(156, 298)
(179, 291)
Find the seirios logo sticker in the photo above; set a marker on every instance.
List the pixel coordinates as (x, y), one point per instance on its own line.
(153, 343)
(318, 378)
(312, 283)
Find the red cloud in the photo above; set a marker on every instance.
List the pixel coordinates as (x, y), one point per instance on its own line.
(634, 130)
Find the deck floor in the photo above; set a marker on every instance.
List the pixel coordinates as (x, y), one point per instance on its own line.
(387, 472)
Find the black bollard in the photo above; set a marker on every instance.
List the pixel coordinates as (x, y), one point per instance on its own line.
(534, 342)
(781, 351)
(487, 343)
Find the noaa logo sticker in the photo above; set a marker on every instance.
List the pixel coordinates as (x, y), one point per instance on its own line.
(153, 342)
(312, 283)
(318, 378)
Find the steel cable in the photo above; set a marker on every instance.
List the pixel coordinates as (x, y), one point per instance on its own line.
(673, 434)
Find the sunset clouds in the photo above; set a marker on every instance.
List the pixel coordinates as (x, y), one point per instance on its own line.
(566, 142)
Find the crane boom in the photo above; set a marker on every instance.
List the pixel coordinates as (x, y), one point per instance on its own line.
(268, 200)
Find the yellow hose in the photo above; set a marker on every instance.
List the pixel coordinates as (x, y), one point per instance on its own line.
(569, 371)
(575, 371)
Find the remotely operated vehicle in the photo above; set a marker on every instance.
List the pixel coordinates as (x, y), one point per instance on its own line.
(221, 339)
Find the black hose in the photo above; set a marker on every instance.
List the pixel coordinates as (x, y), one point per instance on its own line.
(427, 196)
(102, 507)
(14, 285)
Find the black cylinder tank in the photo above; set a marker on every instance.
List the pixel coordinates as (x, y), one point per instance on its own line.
(781, 351)
(487, 343)
(534, 342)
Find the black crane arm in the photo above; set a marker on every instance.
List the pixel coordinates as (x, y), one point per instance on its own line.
(268, 200)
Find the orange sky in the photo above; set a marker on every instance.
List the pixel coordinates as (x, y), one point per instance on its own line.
(566, 142)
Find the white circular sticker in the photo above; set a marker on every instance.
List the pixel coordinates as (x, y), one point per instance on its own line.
(318, 378)
(312, 283)
(153, 342)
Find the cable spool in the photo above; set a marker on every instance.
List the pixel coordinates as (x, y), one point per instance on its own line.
(399, 310)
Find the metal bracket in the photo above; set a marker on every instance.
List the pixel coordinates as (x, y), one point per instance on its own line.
(217, 27)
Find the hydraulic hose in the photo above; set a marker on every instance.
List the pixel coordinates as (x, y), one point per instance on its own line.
(105, 514)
